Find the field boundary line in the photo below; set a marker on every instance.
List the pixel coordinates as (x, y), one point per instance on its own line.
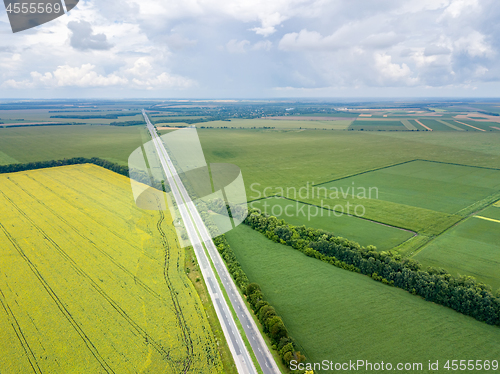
(406, 123)
(450, 125)
(488, 219)
(421, 124)
(492, 201)
(496, 128)
(367, 171)
(426, 239)
(452, 163)
(477, 128)
(389, 166)
(346, 214)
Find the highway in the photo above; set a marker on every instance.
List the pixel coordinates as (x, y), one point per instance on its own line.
(197, 230)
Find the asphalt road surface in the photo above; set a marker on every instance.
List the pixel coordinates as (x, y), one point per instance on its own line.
(196, 228)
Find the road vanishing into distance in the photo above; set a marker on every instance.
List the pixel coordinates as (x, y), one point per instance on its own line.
(198, 235)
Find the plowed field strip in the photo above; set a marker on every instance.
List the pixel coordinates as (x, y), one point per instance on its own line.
(408, 125)
(488, 219)
(421, 124)
(450, 125)
(474, 127)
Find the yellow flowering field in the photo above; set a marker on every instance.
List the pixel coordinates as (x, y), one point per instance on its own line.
(89, 283)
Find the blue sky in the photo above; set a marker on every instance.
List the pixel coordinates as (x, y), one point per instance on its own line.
(257, 49)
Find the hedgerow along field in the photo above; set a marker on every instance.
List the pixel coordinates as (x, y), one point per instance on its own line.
(280, 124)
(340, 316)
(92, 283)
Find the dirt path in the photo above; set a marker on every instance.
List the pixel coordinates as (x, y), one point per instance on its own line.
(421, 124)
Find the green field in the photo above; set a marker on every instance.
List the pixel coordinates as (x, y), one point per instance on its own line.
(478, 124)
(57, 142)
(436, 186)
(436, 125)
(44, 115)
(470, 248)
(340, 154)
(340, 316)
(377, 125)
(6, 159)
(362, 231)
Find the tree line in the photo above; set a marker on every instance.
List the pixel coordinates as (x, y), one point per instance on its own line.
(272, 324)
(463, 293)
(96, 116)
(42, 124)
(13, 168)
(139, 176)
(128, 123)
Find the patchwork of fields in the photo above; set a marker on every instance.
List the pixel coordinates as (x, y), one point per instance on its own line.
(421, 196)
(270, 159)
(91, 283)
(340, 316)
(440, 187)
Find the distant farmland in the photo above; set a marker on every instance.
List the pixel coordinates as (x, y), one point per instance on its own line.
(27, 144)
(91, 283)
(373, 125)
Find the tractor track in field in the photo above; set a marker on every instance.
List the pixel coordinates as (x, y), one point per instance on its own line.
(107, 255)
(178, 310)
(148, 339)
(101, 206)
(59, 304)
(20, 335)
(188, 342)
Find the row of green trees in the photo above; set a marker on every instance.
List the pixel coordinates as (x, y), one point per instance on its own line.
(463, 294)
(272, 324)
(13, 168)
(97, 116)
(139, 176)
(127, 123)
(42, 124)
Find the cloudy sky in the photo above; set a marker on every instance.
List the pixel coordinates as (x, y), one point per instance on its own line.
(257, 48)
